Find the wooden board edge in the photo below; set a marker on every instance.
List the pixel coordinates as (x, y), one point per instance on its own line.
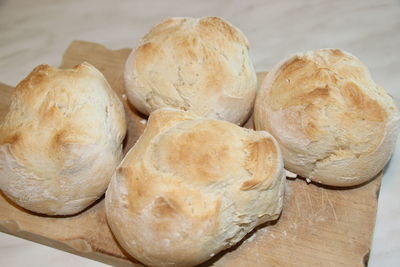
(79, 46)
(79, 247)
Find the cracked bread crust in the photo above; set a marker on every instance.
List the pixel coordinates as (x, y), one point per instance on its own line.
(191, 187)
(335, 126)
(61, 139)
(200, 65)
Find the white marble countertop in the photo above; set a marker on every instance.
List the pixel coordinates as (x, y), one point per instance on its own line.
(36, 32)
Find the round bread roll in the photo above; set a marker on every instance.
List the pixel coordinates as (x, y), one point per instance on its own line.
(191, 187)
(200, 65)
(61, 139)
(335, 126)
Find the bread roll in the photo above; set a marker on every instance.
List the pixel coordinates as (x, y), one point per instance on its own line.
(200, 65)
(335, 126)
(61, 139)
(191, 187)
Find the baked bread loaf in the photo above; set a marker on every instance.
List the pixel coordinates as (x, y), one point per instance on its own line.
(335, 126)
(200, 65)
(61, 139)
(191, 187)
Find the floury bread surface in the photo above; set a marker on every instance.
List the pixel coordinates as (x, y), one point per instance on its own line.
(335, 126)
(200, 65)
(61, 140)
(191, 187)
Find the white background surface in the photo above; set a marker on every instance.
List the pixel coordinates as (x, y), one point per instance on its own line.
(36, 32)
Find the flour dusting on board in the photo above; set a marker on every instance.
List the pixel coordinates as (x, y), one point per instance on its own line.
(288, 190)
(251, 238)
(259, 232)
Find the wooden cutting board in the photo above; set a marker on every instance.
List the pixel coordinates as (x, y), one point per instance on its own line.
(319, 226)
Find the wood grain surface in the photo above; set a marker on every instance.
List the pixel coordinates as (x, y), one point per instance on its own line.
(319, 226)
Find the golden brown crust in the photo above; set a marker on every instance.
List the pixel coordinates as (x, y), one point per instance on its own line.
(176, 152)
(325, 110)
(61, 139)
(261, 153)
(201, 65)
(212, 26)
(195, 186)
